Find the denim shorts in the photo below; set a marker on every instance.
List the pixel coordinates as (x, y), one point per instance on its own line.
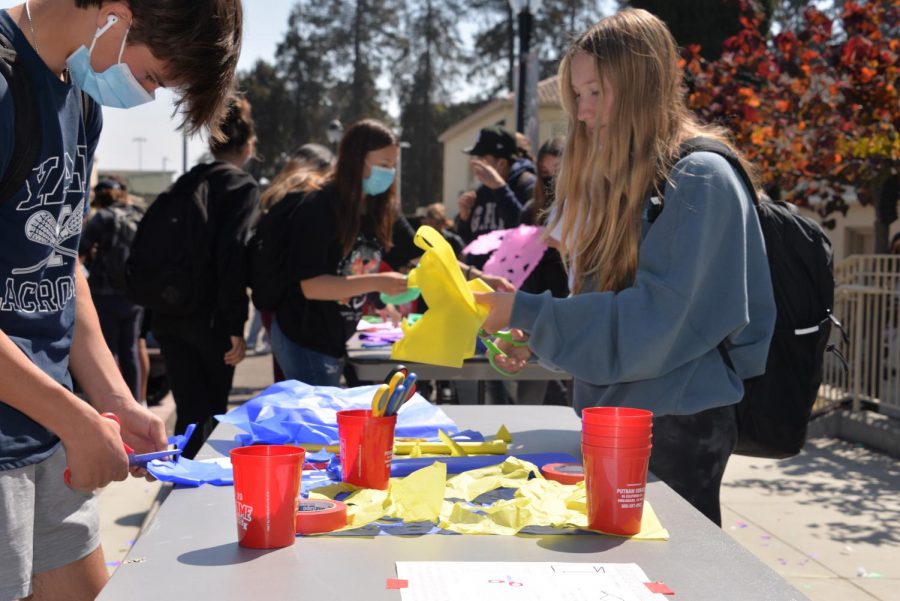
(44, 524)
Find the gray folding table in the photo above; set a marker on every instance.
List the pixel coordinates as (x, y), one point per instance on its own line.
(190, 548)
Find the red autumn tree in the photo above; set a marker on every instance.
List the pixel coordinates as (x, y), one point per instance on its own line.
(816, 110)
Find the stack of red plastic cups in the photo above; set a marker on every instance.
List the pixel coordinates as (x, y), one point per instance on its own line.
(616, 444)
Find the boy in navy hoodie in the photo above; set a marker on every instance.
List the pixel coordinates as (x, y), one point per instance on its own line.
(73, 55)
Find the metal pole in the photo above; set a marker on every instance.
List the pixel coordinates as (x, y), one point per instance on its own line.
(525, 20)
(140, 142)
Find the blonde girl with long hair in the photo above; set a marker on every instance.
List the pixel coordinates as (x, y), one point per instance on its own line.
(652, 299)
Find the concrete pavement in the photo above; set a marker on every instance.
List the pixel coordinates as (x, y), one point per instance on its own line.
(827, 520)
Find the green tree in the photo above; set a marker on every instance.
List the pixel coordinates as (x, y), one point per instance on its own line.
(267, 92)
(331, 58)
(428, 66)
(496, 42)
(815, 109)
(706, 23)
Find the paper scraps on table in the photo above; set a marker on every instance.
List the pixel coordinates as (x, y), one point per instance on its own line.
(427, 495)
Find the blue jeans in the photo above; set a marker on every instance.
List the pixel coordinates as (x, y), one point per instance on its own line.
(300, 363)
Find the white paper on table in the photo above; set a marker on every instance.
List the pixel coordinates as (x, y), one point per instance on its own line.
(534, 581)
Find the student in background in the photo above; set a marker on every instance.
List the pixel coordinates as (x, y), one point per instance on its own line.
(652, 301)
(104, 248)
(309, 167)
(340, 235)
(507, 183)
(202, 349)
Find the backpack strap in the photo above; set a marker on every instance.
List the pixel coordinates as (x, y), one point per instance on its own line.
(703, 144)
(26, 125)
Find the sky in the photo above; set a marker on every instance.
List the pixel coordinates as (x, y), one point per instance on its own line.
(265, 22)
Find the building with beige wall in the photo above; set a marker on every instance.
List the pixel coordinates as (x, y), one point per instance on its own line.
(501, 111)
(853, 234)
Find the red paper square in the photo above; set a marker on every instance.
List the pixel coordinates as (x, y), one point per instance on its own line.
(396, 583)
(659, 587)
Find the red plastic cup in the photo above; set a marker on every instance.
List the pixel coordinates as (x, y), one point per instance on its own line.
(266, 494)
(620, 442)
(367, 447)
(616, 416)
(615, 481)
(595, 430)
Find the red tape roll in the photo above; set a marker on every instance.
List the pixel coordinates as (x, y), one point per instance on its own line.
(316, 516)
(564, 473)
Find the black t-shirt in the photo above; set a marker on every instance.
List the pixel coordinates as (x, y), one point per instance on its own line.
(325, 326)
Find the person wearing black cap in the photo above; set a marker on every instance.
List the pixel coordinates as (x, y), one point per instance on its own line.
(103, 249)
(507, 183)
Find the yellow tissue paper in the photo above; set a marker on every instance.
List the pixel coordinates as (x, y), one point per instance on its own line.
(445, 334)
(503, 434)
(424, 494)
(419, 496)
(455, 449)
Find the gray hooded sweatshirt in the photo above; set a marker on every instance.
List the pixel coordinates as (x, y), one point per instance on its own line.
(702, 278)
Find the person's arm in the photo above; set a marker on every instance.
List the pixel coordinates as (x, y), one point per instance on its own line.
(508, 206)
(497, 282)
(690, 291)
(336, 287)
(315, 253)
(93, 445)
(94, 367)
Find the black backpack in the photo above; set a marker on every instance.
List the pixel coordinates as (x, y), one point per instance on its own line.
(27, 124)
(268, 253)
(170, 267)
(772, 416)
(114, 258)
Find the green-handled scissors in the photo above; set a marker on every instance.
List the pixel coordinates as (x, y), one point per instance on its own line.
(493, 351)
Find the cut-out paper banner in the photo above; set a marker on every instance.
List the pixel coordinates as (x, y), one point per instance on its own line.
(518, 254)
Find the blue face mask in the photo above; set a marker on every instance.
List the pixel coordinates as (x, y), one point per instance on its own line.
(116, 87)
(378, 181)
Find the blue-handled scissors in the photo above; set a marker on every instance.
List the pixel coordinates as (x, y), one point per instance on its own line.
(493, 351)
(179, 440)
(409, 388)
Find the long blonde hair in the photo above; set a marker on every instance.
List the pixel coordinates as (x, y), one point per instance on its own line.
(306, 171)
(604, 180)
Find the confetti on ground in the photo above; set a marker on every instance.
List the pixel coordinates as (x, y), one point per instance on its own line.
(135, 560)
